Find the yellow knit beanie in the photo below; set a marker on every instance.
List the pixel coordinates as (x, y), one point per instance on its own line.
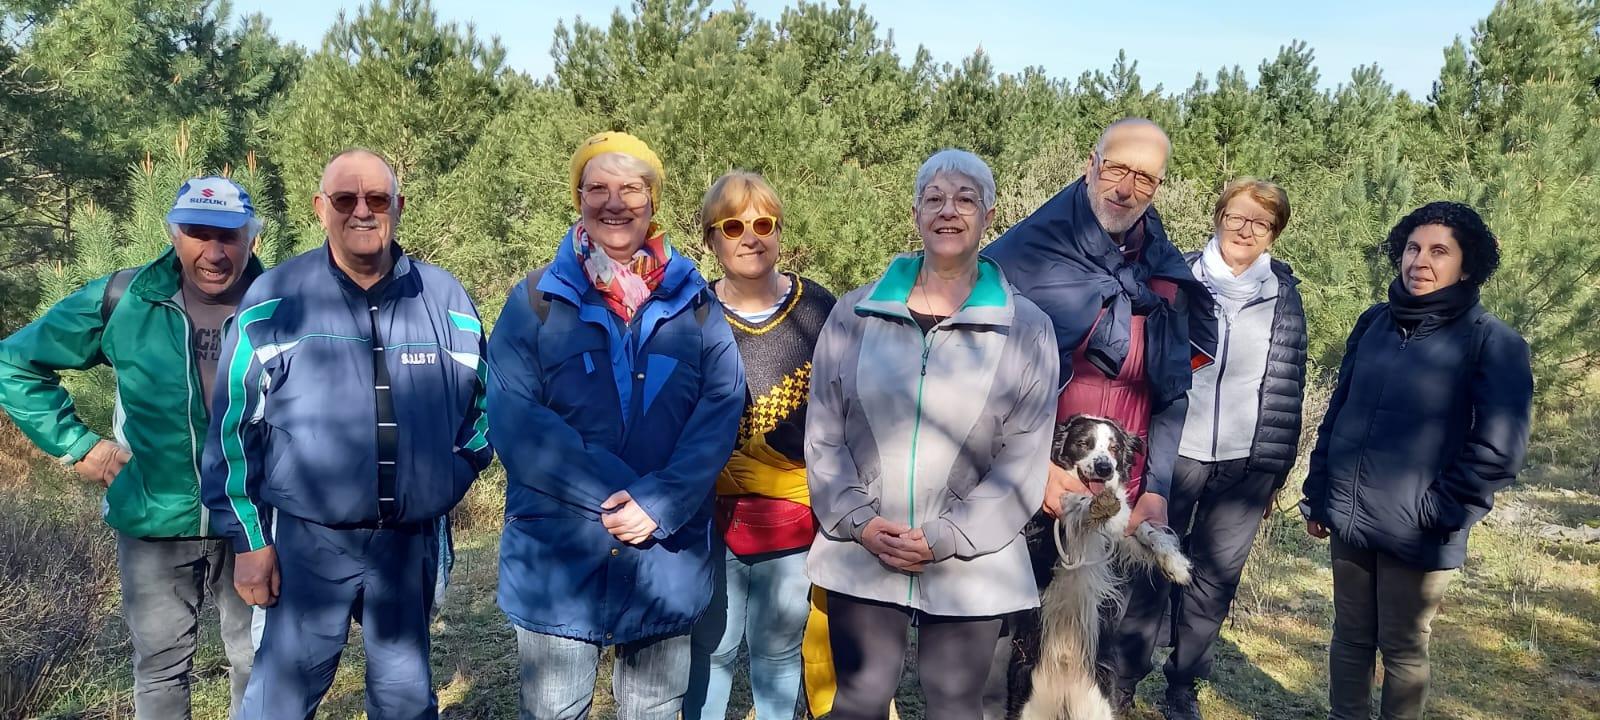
(616, 142)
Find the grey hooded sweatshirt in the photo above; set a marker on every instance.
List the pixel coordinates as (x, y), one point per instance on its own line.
(949, 432)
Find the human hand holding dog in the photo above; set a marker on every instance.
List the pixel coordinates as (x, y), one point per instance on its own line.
(1061, 480)
(1151, 508)
(625, 519)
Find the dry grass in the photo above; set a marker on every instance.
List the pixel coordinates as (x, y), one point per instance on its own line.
(1517, 638)
(57, 575)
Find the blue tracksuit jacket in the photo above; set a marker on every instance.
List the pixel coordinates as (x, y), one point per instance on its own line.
(294, 422)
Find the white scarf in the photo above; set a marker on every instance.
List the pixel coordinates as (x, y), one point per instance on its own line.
(1233, 291)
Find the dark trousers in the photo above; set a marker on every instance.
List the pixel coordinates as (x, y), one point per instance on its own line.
(869, 650)
(382, 578)
(164, 584)
(1380, 604)
(1216, 508)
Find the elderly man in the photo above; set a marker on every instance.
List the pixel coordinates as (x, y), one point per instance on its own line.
(159, 326)
(351, 420)
(1131, 322)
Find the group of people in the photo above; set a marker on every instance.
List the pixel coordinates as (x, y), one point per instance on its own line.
(696, 466)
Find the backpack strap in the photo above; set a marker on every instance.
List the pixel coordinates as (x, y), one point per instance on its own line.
(537, 299)
(702, 307)
(115, 287)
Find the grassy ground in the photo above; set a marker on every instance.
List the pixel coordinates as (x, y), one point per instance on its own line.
(1518, 637)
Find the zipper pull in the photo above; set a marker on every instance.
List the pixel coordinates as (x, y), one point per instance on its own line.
(926, 348)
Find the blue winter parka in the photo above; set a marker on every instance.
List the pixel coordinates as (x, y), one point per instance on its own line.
(582, 405)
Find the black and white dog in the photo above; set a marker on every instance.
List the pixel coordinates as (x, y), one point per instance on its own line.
(1093, 550)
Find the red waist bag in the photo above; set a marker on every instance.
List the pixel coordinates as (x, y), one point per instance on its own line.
(755, 525)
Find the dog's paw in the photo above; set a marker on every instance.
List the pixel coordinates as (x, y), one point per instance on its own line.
(1165, 549)
(1176, 567)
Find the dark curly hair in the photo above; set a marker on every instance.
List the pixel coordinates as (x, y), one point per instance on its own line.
(1480, 249)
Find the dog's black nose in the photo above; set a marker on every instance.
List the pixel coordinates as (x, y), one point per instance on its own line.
(1102, 467)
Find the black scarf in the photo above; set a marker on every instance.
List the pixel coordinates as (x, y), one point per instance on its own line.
(1060, 258)
(1421, 314)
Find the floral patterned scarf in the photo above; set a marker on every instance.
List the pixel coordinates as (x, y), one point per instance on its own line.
(624, 286)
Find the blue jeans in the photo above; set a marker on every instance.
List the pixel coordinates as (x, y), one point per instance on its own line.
(764, 599)
(558, 676)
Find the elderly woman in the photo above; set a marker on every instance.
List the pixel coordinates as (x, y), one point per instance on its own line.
(1429, 419)
(760, 592)
(614, 398)
(932, 408)
(1239, 438)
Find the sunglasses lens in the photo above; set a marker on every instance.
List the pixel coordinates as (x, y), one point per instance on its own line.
(762, 226)
(345, 203)
(733, 229)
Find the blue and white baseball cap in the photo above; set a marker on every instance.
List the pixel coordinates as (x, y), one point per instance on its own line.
(214, 201)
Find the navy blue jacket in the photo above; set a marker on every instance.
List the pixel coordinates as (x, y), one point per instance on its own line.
(1066, 263)
(1420, 433)
(294, 419)
(581, 406)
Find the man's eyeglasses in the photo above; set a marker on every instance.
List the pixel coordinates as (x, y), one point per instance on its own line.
(1258, 228)
(632, 196)
(345, 202)
(1114, 172)
(967, 204)
(733, 228)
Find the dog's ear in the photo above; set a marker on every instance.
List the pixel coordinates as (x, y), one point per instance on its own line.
(1135, 444)
(1058, 444)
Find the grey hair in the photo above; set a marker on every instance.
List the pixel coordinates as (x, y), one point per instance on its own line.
(252, 229)
(958, 162)
(623, 164)
(394, 178)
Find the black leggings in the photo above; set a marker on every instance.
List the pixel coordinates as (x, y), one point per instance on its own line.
(869, 650)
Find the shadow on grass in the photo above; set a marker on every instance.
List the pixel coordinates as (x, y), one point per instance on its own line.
(1253, 692)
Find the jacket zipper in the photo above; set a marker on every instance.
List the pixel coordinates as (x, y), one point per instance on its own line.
(1222, 368)
(916, 429)
(189, 380)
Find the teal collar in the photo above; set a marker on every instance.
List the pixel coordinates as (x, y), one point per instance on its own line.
(990, 302)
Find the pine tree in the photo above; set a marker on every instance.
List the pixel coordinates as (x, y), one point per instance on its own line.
(395, 79)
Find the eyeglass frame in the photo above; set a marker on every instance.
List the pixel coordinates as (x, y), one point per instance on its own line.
(1156, 182)
(1259, 228)
(392, 201)
(950, 200)
(749, 226)
(620, 193)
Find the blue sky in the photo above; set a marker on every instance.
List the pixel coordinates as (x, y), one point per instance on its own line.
(1171, 39)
